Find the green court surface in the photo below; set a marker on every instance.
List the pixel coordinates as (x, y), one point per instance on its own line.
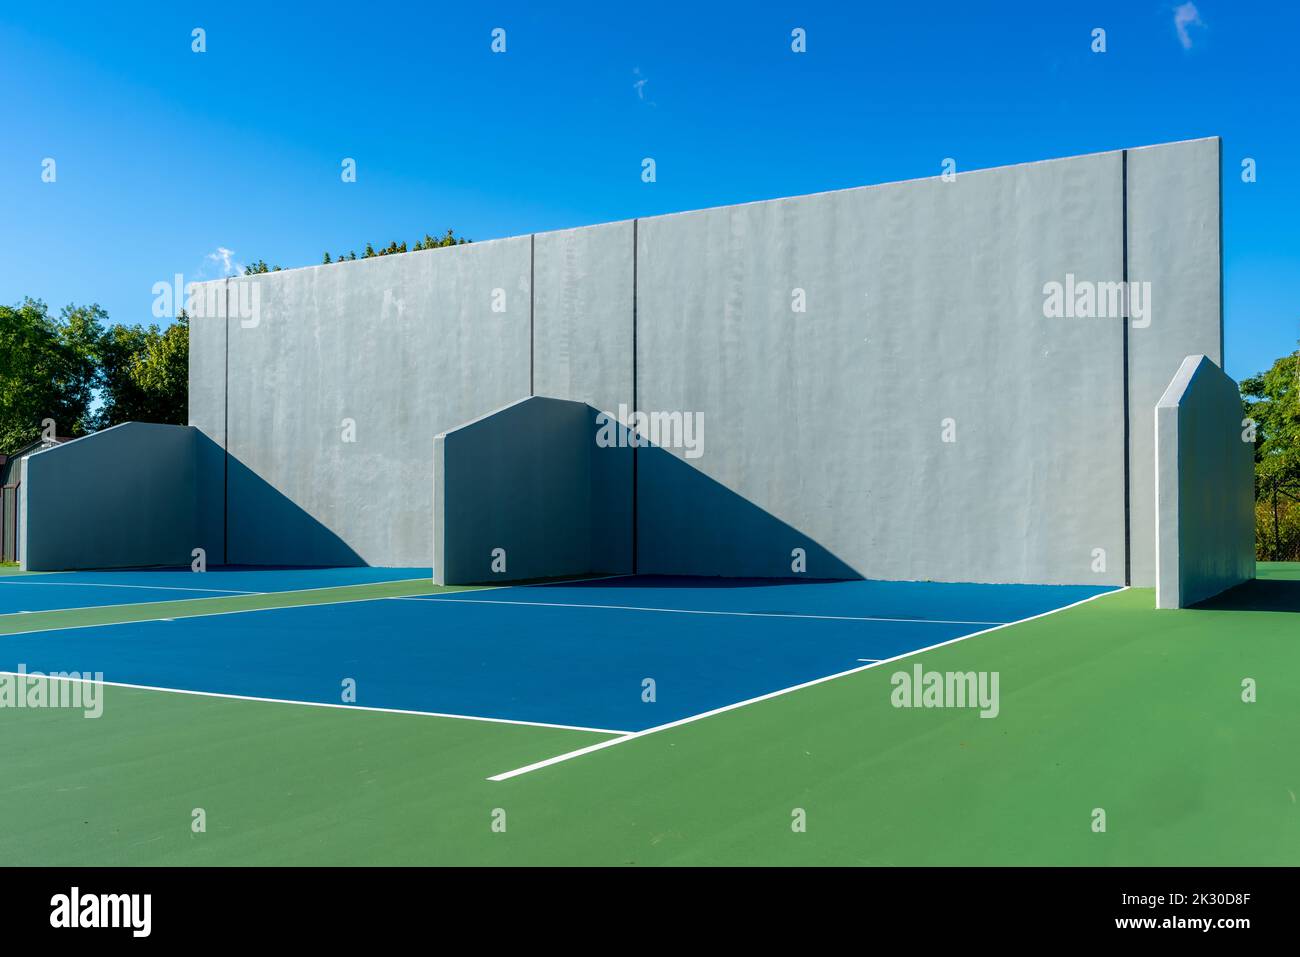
(1110, 704)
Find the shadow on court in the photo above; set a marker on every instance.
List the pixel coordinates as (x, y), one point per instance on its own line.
(1260, 594)
(707, 583)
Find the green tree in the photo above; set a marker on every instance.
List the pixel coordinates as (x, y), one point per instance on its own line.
(162, 372)
(145, 374)
(48, 370)
(122, 398)
(1272, 400)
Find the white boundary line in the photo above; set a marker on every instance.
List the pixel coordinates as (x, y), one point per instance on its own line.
(599, 746)
(222, 591)
(317, 704)
(249, 611)
(238, 611)
(175, 617)
(688, 611)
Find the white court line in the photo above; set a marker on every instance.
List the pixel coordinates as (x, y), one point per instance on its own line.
(222, 591)
(206, 614)
(690, 611)
(296, 591)
(507, 775)
(249, 611)
(320, 704)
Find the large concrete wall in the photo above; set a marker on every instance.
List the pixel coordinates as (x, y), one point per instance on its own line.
(582, 350)
(1174, 244)
(120, 498)
(523, 480)
(824, 429)
(1205, 509)
(207, 414)
(339, 385)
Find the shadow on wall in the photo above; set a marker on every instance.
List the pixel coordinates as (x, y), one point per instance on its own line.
(690, 524)
(543, 488)
(262, 525)
(1259, 594)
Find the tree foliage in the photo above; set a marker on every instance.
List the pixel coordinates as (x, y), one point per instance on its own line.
(1272, 400)
(86, 375)
(449, 238)
(145, 374)
(47, 370)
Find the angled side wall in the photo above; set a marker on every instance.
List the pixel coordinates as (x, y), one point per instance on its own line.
(120, 498)
(517, 495)
(1205, 509)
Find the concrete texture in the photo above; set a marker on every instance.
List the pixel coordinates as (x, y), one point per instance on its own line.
(1173, 243)
(119, 498)
(824, 429)
(522, 480)
(1205, 515)
(924, 303)
(207, 414)
(582, 350)
(338, 388)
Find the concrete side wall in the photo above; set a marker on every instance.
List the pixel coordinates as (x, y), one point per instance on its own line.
(518, 480)
(1173, 240)
(825, 429)
(1205, 509)
(582, 350)
(207, 415)
(119, 498)
(338, 387)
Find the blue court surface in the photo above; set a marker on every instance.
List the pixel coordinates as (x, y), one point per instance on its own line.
(64, 590)
(567, 654)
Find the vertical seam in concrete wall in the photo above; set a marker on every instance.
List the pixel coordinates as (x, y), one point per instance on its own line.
(1128, 432)
(1223, 359)
(532, 307)
(225, 431)
(635, 462)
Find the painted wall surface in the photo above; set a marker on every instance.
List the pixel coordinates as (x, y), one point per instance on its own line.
(922, 419)
(1205, 508)
(870, 371)
(207, 414)
(582, 350)
(119, 498)
(1173, 243)
(339, 385)
(517, 487)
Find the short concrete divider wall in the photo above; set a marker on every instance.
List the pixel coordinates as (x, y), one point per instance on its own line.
(120, 498)
(1205, 521)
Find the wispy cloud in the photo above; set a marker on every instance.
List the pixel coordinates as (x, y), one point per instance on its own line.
(1186, 16)
(639, 84)
(225, 259)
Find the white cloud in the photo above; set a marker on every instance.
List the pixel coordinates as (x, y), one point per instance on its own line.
(1186, 16)
(639, 83)
(225, 258)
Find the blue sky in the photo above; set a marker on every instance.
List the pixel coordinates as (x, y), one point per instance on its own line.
(166, 156)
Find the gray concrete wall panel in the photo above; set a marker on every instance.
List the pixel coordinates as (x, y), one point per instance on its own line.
(824, 429)
(121, 498)
(1205, 507)
(396, 348)
(1174, 244)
